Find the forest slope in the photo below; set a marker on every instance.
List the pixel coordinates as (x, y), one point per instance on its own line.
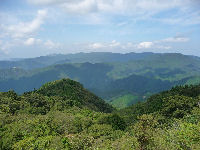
(113, 78)
(55, 117)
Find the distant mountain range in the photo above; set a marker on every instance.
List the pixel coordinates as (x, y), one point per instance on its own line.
(115, 77)
(94, 57)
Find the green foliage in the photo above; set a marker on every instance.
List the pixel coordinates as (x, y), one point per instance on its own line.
(9, 102)
(126, 142)
(114, 120)
(175, 103)
(177, 106)
(124, 101)
(58, 95)
(75, 93)
(37, 104)
(64, 115)
(143, 130)
(100, 130)
(181, 136)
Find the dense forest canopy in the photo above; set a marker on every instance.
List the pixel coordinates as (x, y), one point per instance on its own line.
(63, 115)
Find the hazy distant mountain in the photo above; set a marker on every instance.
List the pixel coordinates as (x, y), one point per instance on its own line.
(33, 63)
(116, 77)
(94, 57)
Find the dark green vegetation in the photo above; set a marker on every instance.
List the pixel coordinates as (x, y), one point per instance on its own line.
(75, 95)
(174, 103)
(110, 76)
(64, 115)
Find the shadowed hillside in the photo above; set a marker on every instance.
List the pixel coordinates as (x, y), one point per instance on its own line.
(128, 77)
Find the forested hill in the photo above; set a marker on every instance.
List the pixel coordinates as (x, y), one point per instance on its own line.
(93, 57)
(177, 102)
(59, 94)
(63, 115)
(121, 79)
(75, 94)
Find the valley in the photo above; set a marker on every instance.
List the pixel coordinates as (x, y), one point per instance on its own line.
(131, 77)
(99, 75)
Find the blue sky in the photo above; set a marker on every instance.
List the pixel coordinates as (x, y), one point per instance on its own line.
(30, 28)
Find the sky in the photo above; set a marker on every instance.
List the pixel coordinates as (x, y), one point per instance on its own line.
(31, 28)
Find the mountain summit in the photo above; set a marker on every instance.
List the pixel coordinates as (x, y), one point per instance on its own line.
(75, 93)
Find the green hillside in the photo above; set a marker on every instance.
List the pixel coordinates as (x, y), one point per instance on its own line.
(63, 115)
(124, 101)
(171, 67)
(174, 103)
(93, 77)
(74, 92)
(116, 75)
(12, 73)
(93, 57)
(33, 63)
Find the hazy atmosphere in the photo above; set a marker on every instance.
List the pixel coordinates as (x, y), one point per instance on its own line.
(30, 28)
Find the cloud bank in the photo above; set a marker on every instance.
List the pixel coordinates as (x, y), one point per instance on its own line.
(136, 25)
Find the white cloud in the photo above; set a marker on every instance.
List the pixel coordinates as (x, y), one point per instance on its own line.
(21, 33)
(176, 39)
(137, 9)
(81, 7)
(114, 44)
(162, 47)
(23, 29)
(114, 6)
(32, 41)
(96, 45)
(71, 6)
(29, 41)
(51, 45)
(5, 47)
(145, 45)
(163, 44)
(48, 2)
(184, 17)
(122, 24)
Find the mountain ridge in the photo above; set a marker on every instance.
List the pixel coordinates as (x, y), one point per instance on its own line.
(156, 70)
(93, 57)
